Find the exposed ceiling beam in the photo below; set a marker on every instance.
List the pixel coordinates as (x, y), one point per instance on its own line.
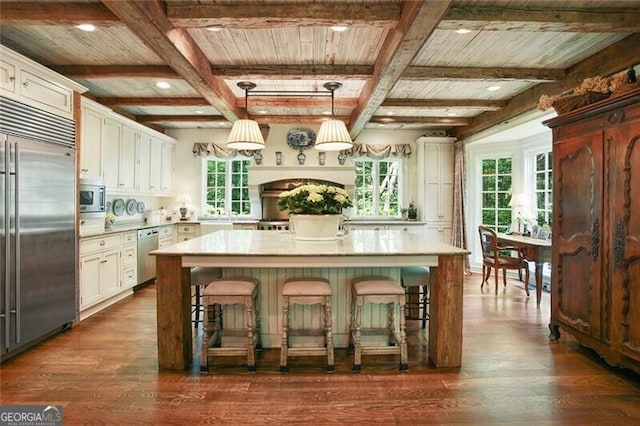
(445, 103)
(299, 102)
(514, 18)
(148, 21)
(54, 13)
(269, 15)
(116, 71)
(609, 61)
(441, 121)
(181, 118)
(172, 102)
(419, 19)
(457, 73)
(297, 72)
(262, 119)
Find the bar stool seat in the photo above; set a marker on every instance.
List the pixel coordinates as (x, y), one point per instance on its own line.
(307, 291)
(231, 291)
(417, 304)
(381, 290)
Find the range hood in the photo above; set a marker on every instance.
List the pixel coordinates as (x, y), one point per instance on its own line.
(260, 175)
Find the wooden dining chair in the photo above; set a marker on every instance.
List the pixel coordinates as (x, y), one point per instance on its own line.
(500, 257)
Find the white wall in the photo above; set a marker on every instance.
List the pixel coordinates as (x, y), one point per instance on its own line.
(188, 169)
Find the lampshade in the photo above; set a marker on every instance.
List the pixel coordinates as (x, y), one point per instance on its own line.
(245, 134)
(333, 136)
(519, 200)
(184, 199)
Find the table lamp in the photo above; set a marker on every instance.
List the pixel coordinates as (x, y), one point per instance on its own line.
(184, 199)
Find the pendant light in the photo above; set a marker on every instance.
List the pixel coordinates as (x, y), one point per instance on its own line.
(333, 134)
(245, 133)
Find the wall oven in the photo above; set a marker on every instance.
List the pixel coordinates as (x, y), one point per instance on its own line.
(92, 198)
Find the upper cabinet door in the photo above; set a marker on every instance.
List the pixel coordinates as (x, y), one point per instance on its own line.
(7, 76)
(155, 166)
(111, 140)
(143, 151)
(91, 144)
(127, 163)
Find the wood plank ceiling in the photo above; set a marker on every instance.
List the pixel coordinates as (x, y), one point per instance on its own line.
(403, 64)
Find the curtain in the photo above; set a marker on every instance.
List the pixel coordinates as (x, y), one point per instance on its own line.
(379, 152)
(202, 150)
(459, 236)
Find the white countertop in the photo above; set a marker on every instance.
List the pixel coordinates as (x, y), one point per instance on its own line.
(355, 243)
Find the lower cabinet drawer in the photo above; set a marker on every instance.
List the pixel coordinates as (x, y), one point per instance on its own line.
(129, 277)
(88, 245)
(129, 256)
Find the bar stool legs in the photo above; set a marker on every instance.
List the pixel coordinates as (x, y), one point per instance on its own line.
(380, 290)
(219, 294)
(307, 291)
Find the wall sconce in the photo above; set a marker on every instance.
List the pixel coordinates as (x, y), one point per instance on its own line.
(278, 158)
(342, 158)
(301, 158)
(257, 157)
(321, 158)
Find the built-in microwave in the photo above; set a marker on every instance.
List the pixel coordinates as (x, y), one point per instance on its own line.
(92, 198)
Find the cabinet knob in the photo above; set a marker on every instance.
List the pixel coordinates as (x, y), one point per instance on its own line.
(25, 84)
(103, 261)
(102, 243)
(12, 78)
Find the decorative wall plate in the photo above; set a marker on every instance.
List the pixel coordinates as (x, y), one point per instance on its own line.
(132, 206)
(118, 206)
(301, 138)
(140, 207)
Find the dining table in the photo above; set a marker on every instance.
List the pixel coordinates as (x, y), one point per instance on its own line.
(535, 250)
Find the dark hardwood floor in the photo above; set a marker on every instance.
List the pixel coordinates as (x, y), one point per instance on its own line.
(104, 371)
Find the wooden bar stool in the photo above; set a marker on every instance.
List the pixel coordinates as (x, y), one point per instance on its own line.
(417, 303)
(200, 277)
(307, 291)
(381, 290)
(231, 291)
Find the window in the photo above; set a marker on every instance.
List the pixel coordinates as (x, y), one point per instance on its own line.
(226, 189)
(544, 188)
(377, 188)
(496, 186)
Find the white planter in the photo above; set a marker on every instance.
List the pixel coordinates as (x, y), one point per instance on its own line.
(312, 227)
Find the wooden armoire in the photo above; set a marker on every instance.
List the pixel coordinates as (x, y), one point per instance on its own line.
(595, 291)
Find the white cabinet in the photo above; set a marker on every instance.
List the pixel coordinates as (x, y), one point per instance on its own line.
(436, 157)
(143, 154)
(28, 82)
(129, 259)
(111, 139)
(187, 232)
(165, 235)
(99, 269)
(155, 166)
(129, 158)
(415, 228)
(91, 142)
(166, 174)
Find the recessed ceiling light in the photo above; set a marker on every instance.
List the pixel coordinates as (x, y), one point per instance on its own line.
(215, 29)
(391, 113)
(493, 88)
(262, 111)
(163, 85)
(326, 112)
(198, 111)
(463, 31)
(339, 28)
(451, 114)
(86, 27)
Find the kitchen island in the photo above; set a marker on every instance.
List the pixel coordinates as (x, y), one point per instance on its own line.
(273, 257)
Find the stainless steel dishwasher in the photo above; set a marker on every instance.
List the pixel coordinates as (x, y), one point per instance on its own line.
(147, 242)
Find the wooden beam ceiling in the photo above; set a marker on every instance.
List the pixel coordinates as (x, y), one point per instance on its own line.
(606, 62)
(471, 73)
(270, 15)
(51, 13)
(444, 103)
(419, 19)
(176, 47)
(116, 71)
(503, 18)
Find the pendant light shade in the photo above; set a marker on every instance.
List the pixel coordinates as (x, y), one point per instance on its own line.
(333, 134)
(245, 133)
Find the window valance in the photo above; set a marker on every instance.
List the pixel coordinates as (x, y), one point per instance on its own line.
(379, 152)
(203, 150)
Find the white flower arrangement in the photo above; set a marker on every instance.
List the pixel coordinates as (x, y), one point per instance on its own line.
(314, 199)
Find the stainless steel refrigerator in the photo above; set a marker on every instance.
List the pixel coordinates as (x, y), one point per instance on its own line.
(37, 225)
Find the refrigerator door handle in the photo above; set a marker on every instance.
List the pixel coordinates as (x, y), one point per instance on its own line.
(7, 240)
(16, 256)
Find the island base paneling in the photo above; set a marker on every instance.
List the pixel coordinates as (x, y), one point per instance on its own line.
(304, 316)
